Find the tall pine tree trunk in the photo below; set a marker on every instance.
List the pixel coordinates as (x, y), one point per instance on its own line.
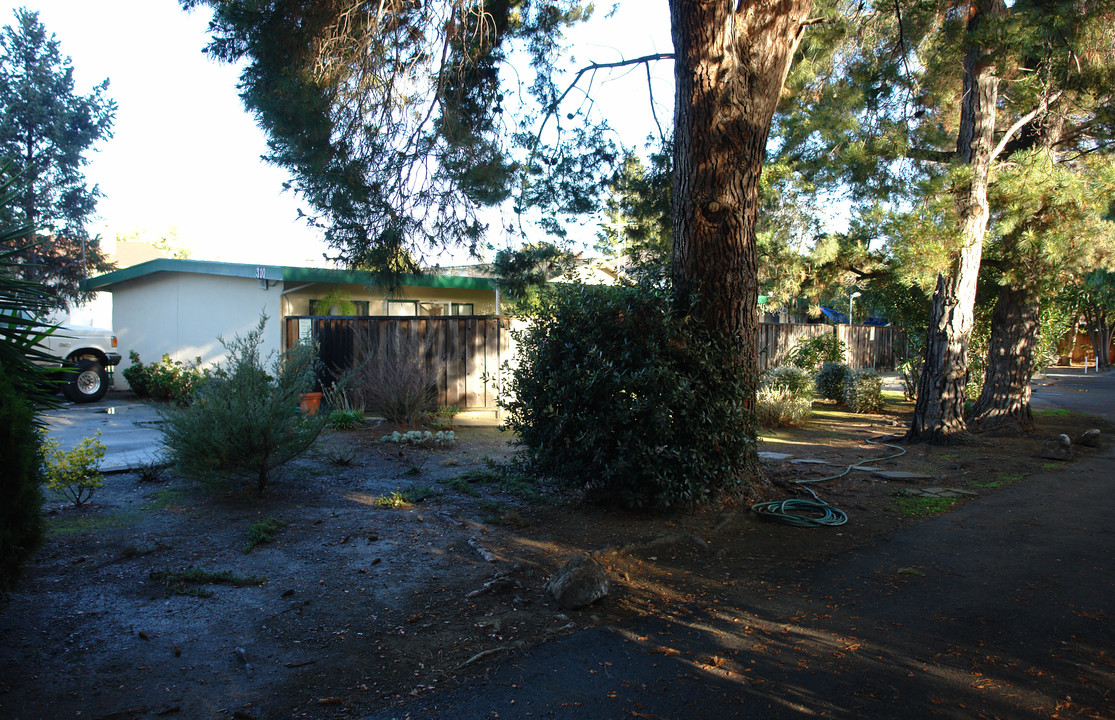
(731, 58)
(1004, 401)
(939, 410)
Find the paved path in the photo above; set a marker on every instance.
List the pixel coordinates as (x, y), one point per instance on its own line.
(1004, 608)
(129, 429)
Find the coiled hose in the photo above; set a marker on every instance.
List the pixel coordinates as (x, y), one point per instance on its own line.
(816, 512)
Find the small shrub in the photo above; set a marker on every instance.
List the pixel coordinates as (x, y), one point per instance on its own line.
(151, 470)
(422, 438)
(245, 422)
(911, 374)
(397, 382)
(401, 499)
(789, 377)
(863, 391)
(262, 532)
(442, 418)
(830, 381)
(75, 473)
(809, 353)
(165, 380)
(779, 407)
(341, 456)
(21, 524)
(345, 419)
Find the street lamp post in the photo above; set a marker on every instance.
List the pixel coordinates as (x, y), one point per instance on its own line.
(851, 299)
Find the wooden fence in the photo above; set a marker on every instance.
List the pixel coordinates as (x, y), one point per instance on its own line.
(463, 352)
(466, 352)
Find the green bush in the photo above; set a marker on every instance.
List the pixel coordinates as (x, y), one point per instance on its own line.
(863, 391)
(20, 477)
(345, 419)
(165, 380)
(245, 422)
(830, 381)
(75, 473)
(615, 394)
(809, 353)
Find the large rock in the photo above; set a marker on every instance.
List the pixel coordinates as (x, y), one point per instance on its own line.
(579, 584)
(1057, 448)
(1089, 438)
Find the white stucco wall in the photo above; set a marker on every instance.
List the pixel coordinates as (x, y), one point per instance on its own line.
(181, 314)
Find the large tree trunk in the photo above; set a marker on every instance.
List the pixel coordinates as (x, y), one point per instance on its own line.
(939, 410)
(730, 62)
(1004, 401)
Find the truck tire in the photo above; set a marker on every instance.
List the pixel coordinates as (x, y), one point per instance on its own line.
(88, 383)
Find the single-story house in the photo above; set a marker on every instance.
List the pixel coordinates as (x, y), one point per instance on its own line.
(179, 307)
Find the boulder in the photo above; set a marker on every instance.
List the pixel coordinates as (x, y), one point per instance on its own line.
(579, 584)
(1089, 438)
(1057, 448)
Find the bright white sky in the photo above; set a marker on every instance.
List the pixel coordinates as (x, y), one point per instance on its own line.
(186, 156)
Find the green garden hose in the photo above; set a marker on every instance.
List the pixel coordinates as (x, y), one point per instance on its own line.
(817, 512)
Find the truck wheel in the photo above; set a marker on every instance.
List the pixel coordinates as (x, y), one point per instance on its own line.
(88, 384)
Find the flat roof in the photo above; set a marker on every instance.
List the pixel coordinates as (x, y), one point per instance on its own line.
(279, 272)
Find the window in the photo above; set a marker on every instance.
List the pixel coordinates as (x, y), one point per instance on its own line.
(317, 307)
(463, 309)
(402, 308)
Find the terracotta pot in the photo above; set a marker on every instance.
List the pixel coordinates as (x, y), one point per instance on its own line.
(310, 403)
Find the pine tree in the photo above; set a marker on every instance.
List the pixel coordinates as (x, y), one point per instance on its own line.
(45, 131)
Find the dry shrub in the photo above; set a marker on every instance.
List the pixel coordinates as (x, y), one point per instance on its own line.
(781, 407)
(399, 381)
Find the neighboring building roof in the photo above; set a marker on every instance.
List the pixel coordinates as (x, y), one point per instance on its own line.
(277, 272)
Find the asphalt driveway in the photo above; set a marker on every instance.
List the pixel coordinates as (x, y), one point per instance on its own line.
(129, 429)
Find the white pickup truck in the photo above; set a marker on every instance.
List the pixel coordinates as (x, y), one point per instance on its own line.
(91, 352)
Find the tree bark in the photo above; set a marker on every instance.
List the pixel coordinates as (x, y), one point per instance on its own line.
(1004, 401)
(939, 410)
(731, 60)
(1099, 332)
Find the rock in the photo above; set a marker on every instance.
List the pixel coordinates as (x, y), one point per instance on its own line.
(1089, 438)
(766, 456)
(902, 475)
(579, 584)
(1057, 448)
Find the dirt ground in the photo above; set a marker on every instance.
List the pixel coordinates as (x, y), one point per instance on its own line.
(353, 605)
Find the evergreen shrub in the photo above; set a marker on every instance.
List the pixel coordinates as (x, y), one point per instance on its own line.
(863, 391)
(244, 421)
(830, 381)
(615, 394)
(809, 353)
(20, 477)
(165, 380)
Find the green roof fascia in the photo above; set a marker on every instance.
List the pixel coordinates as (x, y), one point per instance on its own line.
(201, 267)
(277, 272)
(363, 277)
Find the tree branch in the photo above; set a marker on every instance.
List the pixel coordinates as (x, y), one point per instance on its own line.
(1021, 123)
(593, 67)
